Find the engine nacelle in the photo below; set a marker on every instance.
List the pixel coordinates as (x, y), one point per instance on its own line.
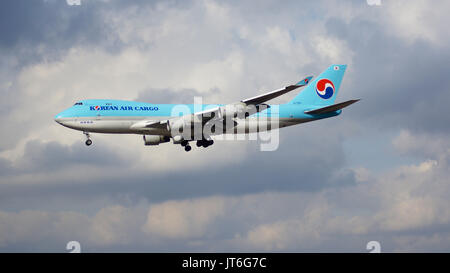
(177, 126)
(177, 139)
(155, 140)
(184, 125)
(237, 110)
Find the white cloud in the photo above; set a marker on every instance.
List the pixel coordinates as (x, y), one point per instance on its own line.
(225, 53)
(334, 50)
(184, 219)
(114, 225)
(406, 199)
(413, 20)
(422, 144)
(22, 226)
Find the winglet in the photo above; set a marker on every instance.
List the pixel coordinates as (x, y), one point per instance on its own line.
(305, 81)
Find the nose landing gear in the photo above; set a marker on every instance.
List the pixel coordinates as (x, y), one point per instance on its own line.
(88, 140)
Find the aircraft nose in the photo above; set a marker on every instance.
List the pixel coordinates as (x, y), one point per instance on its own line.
(58, 119)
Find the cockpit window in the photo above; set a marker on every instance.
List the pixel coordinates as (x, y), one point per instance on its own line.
(78, 103)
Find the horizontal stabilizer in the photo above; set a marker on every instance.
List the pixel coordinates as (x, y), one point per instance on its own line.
(330, 108)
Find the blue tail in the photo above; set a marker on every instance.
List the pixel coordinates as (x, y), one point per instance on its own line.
(323, 90)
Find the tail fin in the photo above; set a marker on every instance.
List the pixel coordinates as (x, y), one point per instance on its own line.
(323, 90)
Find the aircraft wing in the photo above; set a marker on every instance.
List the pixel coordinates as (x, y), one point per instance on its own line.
(242, 109)
(276, 93)
(249, 106)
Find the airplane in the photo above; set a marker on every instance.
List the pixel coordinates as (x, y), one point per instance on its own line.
(160, 123)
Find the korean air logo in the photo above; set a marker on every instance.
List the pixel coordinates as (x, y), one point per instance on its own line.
(97, 108)
(325, 88)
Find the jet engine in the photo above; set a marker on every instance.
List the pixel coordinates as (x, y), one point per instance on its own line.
(239, 110)
(177, 126)
(155, 140)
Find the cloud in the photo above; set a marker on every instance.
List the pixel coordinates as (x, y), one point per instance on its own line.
(421, 144)
(166, 95)
(393, 85)
(114, 225)
(391, 208)
(183, 219)
(417, 20)
(41, 158)
(306, 196)
(50, 156)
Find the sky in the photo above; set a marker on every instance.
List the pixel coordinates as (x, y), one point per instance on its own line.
(378, 172)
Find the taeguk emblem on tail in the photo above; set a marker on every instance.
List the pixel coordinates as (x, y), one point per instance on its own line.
(325, 88)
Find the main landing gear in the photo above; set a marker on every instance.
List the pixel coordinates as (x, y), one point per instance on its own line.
(88, 140)
(186, 145)
(200, 143)
(205, 142)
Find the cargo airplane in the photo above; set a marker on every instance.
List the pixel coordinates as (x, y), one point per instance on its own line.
(160, 123)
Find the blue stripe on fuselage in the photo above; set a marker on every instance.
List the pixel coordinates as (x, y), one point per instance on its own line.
(120, 108)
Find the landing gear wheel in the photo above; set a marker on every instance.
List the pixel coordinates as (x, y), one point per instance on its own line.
(88, 140)
(187, 148)
(205, 143)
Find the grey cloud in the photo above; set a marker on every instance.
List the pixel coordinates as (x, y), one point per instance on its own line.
(52, 156)
(294, 221)
(5, 166)
(36, 30)
(298, 165)
(167, 95)
(402, 85)
(45, 22)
